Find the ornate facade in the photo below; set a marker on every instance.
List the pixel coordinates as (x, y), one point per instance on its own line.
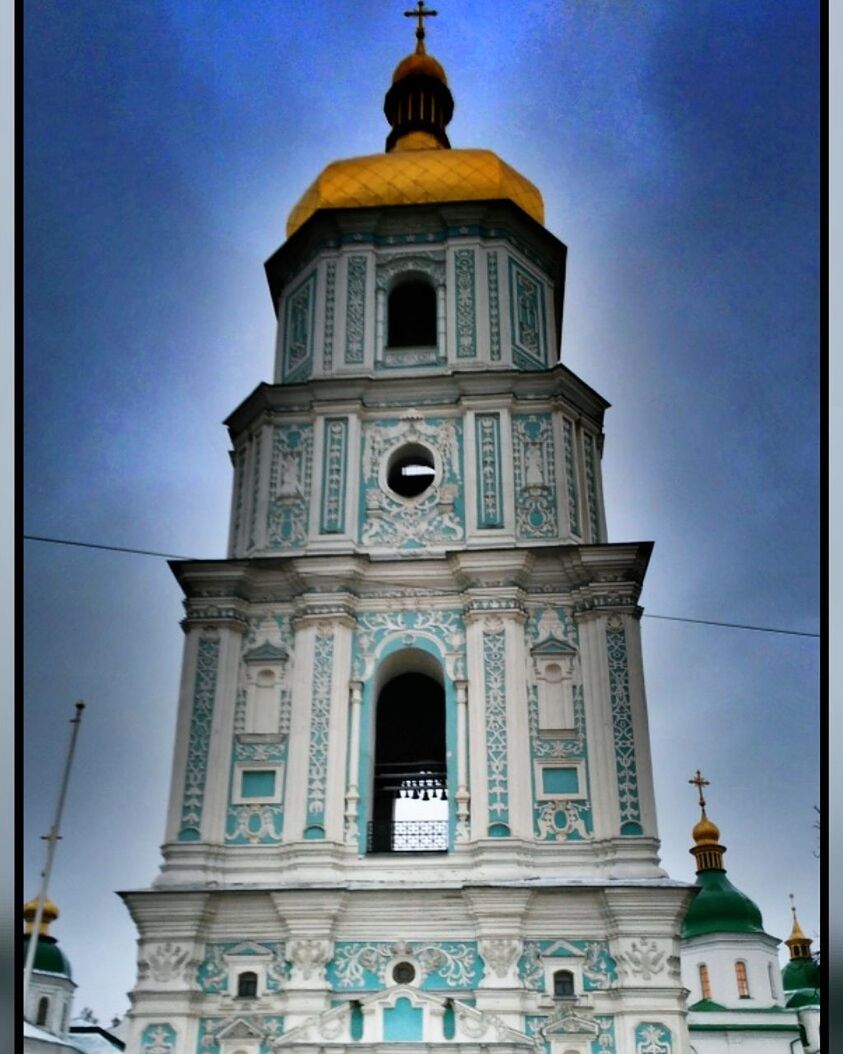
(412, 798)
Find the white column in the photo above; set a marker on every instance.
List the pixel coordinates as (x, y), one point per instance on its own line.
(352, 792)
(380, 323)
(463, 796)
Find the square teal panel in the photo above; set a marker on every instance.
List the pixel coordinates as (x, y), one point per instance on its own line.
(259, 783)
(560, 781)
(402, 1022)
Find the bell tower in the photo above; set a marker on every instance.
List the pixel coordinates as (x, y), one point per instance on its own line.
(412, 798)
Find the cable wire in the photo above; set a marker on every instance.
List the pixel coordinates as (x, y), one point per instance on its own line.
(665, 618)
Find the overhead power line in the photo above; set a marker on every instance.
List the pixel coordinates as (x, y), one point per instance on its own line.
(666, 618)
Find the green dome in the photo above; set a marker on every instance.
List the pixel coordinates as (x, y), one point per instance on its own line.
(804, 997)
(800, 973)
(49, 958)
(720, 908)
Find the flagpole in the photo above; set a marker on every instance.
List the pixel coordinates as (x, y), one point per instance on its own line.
(51, 840)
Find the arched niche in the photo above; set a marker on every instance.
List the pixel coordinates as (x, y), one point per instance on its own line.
(409, 777)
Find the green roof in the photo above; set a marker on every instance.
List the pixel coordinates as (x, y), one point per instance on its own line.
(720, 908)
(706, 1004)
(804, 997)
(49, 958)
(800, 973)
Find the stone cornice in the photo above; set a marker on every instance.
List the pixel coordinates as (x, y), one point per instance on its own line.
(592, 577)
(557, 386)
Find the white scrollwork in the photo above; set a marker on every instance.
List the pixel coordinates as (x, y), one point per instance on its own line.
(167, 962)
(642, 958)
(269, 819)
(559, 819)
(500, 954)
(309, 956)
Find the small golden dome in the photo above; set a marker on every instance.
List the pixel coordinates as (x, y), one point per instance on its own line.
(416, 177)
(419, 63)
(705, 832)
(49, 914)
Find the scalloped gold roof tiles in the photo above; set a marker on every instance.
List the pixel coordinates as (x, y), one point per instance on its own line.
(416, 177)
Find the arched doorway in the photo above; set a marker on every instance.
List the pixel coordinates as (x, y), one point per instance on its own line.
(409, 782)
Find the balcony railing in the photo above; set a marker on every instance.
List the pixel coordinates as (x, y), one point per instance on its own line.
(408, 836)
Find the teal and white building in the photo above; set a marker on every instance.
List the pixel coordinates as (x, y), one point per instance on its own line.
(412, 798)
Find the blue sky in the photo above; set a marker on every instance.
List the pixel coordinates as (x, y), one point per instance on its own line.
(676, 149)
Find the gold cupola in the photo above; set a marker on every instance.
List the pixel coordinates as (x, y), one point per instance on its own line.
(798, 943)
(419, 166)
(49, 914)
(707, 850)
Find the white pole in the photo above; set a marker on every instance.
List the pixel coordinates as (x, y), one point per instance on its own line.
(51, 840)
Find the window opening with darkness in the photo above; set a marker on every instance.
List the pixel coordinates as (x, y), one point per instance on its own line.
(743, 982)
(43, 1010)
(563, 984)
(247, 985)
(410, 471)
(705, 983)
(412, 315)
(410, 796)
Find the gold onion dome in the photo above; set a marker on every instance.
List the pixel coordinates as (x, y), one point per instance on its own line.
(419, 166)
(705, 832)
(49, 914)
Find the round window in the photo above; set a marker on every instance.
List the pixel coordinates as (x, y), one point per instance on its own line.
(403, 973)
(410, 471)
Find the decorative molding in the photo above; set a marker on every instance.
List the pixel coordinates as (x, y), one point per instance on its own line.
(527, 318)
(199, 738)
(559, 820)
(488, 456)
(320, 717)
(355, 314)
(256, 487)
(165, 963)
(309, 957)
(500, 954)
(591, 488)
(362, 966)
(571, 477)
(599, 969)
(436, 516)
(642, 958)
(374, 628)
(291, 470)
(465, 304)
(535, 476)
(328, 333)
(299, 313)
(494, 307)
(623, 732)
(213, 973)
(158, 1038)
(653, 1038)
(334, 457)
(605, 1041)
(497, 777)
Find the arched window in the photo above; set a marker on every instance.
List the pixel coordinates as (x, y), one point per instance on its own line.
(563, 984)
(740, 976)
(43, 1010)
(247, 985)
(412, 315)
(410, 794)
(705, 983)
(772, 978)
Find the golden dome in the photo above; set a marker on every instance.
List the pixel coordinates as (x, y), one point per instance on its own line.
(420, 63)
(49, 914)
(416, 177)
(705, 832)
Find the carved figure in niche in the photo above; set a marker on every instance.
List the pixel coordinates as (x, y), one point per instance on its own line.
(533, 474)
(290, 486)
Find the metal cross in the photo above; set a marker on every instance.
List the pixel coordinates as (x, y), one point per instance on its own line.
(420, 14)
(699, 782)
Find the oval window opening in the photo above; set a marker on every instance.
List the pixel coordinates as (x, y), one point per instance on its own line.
(410, 471)
(403, 973)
